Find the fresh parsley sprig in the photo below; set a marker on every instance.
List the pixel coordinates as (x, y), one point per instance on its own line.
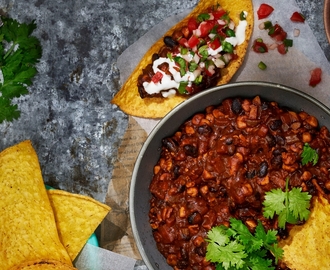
(19, 53)
(237, 248)
(290, 206)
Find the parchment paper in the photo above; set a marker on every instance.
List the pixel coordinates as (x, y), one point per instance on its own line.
(292, 69)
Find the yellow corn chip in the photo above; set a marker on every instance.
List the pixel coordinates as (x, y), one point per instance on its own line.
(77, 217)
(128, 98)
(43, 265)
(308, 246)
(28, 229)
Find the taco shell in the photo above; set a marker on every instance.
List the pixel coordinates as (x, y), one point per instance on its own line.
(43, 265)
(28, 229)
(77, 217)
(128, 98)
(308, 246)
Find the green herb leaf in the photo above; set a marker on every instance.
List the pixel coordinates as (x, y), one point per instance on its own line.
(19, 53)
(309, 155)
(237, 248)
(203, 17)
(290, 206)
(182, 88)
(182, 64)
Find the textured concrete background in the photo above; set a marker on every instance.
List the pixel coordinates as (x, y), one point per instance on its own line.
(67, 115)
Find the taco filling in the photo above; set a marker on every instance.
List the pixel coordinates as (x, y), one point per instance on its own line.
(191, 58)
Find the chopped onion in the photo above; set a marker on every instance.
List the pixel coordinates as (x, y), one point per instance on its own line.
(211, 16)
(262, 26)
(219, 63)
(231, 25)
(197, 32)
(272, 46)
(211, 35)
(197, 72)
(221, 22)
(227, 58)
(211, 69)
(196, 58)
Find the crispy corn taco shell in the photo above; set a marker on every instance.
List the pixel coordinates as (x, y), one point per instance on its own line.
(308, 246)
(77, 217)
(128, 98)
(43, 265)
(28, 229)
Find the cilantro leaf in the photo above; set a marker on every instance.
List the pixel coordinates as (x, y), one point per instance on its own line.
(290, 206)
(237, 248)
(309, 155)
(299, 203)
(19, 53)
(8, 111)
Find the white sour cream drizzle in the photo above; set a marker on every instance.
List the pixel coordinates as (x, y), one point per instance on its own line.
(167, 83)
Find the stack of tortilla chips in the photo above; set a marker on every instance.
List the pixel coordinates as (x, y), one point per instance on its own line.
(40, 229)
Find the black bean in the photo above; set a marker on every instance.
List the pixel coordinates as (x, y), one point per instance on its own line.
(229, 141)
(283, 233)
(236, 106)
(270, 140)
(176, 171)
(250, 174)
(264, 106)
(155, 56)
(201, 251)
(190, 150)
(170, 42)
(204, 130)
(275, 124)
(276, 161)
(263, 169)
(195, 218)
(170, 144)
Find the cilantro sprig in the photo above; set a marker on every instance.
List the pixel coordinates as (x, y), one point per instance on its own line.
(19, 53)
(309, 155)
(290, 206)
(237, 248)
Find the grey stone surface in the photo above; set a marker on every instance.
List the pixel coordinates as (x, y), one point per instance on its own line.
(67, 115)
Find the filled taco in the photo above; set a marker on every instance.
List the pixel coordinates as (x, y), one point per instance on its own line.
(203, 50)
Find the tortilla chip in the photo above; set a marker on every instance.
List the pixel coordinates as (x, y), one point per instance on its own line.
(77, 217)
(43, 265)
(308, 246)
(128, 98)
(28, 229)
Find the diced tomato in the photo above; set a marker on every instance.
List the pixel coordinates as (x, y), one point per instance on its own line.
(297, 17)
(277, 33)
(315, 77)
(282, 49)
(218, 14)
(215, 44)
(264, 11)
(192, 24)
(193, 41)
(183, 41)
(205, 28)
(259, 46)
(157, 77)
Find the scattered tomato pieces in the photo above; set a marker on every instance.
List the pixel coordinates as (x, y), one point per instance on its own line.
(297, 17)
(259, 46)
(264, 11)
(157, 77)
(315, 78)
